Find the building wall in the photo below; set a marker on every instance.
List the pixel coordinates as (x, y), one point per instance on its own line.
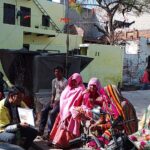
(57, 43)
(86, 21)
(13, 36)
(107, 64)
(36, 14)
(134, 64)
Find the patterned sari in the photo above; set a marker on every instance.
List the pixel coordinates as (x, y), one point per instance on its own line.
(124, 108)
(141, 139)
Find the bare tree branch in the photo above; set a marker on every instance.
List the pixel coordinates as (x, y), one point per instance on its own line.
(112, 7)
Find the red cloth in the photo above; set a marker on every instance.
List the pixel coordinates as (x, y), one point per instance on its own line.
(145, 77)
(60, 136)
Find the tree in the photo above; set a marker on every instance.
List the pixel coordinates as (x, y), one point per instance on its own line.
(109, 8)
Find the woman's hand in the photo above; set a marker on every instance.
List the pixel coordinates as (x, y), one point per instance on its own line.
(99, 99)
(79, 109)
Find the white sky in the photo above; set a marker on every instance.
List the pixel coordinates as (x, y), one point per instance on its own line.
(58, 1)
(142, 22)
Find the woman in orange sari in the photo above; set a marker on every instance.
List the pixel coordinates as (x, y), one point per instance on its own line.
(67, 127)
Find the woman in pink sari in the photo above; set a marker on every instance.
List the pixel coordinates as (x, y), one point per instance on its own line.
(67, 127)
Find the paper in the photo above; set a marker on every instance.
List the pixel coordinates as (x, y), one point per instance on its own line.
(26, 115)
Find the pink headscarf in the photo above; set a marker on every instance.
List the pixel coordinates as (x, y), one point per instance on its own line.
(95, 81)
(70, 96)
(87, 104)
(77, 77)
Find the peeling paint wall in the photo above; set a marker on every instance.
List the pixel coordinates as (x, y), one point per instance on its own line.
(135, 63)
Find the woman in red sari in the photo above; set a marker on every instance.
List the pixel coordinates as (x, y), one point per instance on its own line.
(113, 106)
(67, 127)
(93, 96)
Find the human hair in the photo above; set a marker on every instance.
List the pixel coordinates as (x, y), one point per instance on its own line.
(1, 75)
(16, 90)
(59, 68)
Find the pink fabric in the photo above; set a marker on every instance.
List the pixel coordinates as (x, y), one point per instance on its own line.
(95, 81)
(77, 77)
(94, 145)
(108, 105)
(74, 126)
(67, 100)
(88, 102)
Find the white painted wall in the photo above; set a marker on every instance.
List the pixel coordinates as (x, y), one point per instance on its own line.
(134, 64)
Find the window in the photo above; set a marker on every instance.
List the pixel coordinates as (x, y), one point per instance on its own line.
(97, 53)
(45, 20)
(9, 14)
(83, 50)
(25, 18)
(26, 47)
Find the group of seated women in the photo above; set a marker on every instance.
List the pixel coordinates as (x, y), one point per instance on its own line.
(77, 101)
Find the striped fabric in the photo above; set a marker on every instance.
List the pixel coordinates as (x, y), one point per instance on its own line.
(124, 108)
(113, 95)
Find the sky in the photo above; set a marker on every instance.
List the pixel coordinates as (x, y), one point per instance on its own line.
(86, 1)
(58, 1)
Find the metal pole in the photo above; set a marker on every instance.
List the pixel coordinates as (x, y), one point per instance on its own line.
(67, 38)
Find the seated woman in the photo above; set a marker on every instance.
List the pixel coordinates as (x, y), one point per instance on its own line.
(91, 96)
(125, 108)
(141, 139)
(114, 110)
(66, 127)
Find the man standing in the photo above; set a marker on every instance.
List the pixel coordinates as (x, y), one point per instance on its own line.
(58, 85)
(11, 130)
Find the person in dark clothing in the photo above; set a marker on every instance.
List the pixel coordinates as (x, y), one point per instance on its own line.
(7, 146)
(11, 130)
(58, 85)
(1, 86)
